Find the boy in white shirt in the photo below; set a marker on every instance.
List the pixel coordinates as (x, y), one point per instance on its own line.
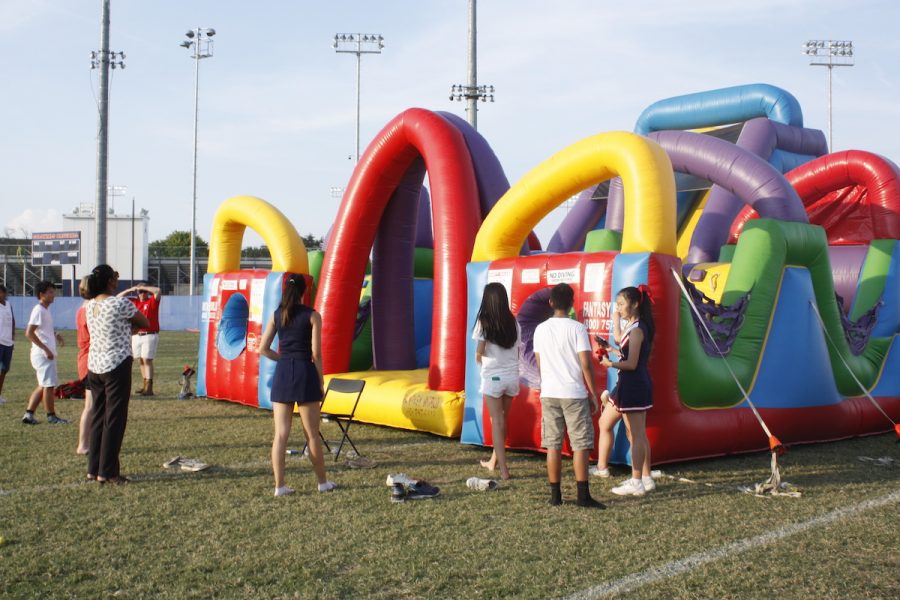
(568, 400)
(43, 355)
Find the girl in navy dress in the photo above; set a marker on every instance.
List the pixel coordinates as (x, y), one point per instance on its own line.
(633, 395)
(298, 378)
(498, 336)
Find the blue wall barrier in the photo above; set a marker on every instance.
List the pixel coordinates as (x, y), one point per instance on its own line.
(176, 313)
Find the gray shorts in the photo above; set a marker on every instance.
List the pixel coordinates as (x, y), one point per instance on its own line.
(559, 415)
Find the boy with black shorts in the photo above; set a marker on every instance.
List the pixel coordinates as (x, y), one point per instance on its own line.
(568, 400)
(7, 338)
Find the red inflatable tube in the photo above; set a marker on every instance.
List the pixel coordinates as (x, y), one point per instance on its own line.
(853, 195)
(415, 132)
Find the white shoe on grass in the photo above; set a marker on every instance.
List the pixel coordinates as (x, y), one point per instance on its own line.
(283, 491)
(629, 487)
(482, 485)
(596, 471)
(648, 483)
(328, 486)
(400, 478)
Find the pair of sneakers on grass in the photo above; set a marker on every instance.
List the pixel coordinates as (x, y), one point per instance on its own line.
(629, 487)
(405, 488)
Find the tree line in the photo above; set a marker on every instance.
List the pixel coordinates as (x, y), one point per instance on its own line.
(178, 244)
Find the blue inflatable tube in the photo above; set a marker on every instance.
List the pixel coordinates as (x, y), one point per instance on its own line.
(721, 107)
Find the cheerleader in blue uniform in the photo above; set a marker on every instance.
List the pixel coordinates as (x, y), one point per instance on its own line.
(633, 395)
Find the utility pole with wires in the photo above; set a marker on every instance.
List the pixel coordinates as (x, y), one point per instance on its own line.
(103, 60)
(471, 92)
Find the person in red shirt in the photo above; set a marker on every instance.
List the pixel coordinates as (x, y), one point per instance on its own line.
(144, 342)
(83, 341)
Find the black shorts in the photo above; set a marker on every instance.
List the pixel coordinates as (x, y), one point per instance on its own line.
(295, 381)
(5, 357)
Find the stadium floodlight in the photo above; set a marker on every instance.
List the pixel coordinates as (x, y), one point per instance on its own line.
(202, 47)
(358, 44)
(830, 54)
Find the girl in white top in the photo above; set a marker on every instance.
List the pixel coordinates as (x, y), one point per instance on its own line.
(498, 336)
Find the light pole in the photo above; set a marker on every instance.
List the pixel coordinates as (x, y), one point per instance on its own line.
(358, 44)
(829, 53)
(472, 92)
(103, 60)
(198, 40)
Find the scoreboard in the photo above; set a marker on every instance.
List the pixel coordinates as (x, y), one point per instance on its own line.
(56, 248)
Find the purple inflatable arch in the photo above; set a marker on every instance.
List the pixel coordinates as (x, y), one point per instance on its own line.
(393, 335)
(760, 137)
(735, 169)
(740, 172)
(582, 217)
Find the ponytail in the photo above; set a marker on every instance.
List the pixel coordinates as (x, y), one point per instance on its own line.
(291, 296)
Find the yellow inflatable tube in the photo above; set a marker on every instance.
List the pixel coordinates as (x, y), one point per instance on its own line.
(401, 399)
(647, 178)
(233, 218)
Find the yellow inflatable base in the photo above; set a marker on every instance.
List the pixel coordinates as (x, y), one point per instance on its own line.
(401, 399)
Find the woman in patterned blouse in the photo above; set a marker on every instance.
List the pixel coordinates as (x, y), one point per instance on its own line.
(110, 321)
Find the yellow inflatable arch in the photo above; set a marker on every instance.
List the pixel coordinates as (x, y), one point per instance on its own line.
(233, 218)
(647, 178)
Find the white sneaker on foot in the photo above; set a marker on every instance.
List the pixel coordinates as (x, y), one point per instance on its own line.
(327, 486)
(596, 471)
(648, 483)
(284, 491)
(629, 487)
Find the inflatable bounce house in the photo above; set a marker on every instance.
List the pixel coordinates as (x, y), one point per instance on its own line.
(767, 258)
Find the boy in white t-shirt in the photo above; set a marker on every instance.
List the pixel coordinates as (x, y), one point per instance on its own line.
(568, 400)
(43, 355)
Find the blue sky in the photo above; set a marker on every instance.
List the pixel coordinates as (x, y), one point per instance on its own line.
(277, 105)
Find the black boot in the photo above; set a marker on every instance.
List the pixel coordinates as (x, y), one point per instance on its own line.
(584, 496)
(555, 494)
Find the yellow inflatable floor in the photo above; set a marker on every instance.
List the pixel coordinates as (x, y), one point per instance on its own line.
(402, 399)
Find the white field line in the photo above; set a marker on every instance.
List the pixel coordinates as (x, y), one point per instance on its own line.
(634, 581)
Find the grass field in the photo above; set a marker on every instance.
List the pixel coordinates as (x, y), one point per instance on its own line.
(220, 533)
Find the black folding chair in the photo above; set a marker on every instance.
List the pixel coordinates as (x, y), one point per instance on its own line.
(343, 419)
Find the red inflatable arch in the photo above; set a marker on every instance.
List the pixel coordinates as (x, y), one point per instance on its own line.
(853, 195)
(455, 215)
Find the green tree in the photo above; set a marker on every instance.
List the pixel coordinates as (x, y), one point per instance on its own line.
(313, 243)
(178, 243)
(256, 252)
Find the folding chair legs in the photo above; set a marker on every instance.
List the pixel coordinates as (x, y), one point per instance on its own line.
(344, 438)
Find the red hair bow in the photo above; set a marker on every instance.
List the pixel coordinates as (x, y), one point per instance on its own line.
(645, 289)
